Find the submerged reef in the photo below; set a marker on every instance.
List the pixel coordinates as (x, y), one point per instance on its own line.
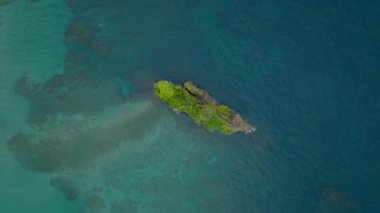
(333, 201)
(85, 32)
(72, 115)
(203, 108)
(5, 2)
(70, 94)
(67, 186)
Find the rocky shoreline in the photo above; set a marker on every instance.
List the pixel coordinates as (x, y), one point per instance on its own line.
(202, 107)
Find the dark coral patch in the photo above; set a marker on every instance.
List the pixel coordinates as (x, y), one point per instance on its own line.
(69, 93)
(67, 186)
(5, 2)
(333, 201)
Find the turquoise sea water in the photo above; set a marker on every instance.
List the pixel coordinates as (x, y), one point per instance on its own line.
(83, 131)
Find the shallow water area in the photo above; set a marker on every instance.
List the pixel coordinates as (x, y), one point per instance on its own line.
(82, 130)
(29, 46)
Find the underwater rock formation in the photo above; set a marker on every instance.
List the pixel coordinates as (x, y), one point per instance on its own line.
(81, 29)
(102, 46)
(74, 116)
(69, 93)
(34, 1)
(80, 6)
(333, 201)
(67, 186)
(76, 142)
(95, 203)
(203, 108)
(84, 32)
(5, 2)
(125, 206)
(27, 88)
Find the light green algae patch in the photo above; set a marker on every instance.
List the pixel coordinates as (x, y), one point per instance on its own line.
(201, 107)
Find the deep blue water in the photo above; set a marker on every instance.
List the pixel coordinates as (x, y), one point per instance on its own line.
(304, 73)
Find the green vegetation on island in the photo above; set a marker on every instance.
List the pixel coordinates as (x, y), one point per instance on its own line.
(201, 107)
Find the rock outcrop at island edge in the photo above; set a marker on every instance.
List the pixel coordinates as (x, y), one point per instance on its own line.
(203, 108)
(237, 122)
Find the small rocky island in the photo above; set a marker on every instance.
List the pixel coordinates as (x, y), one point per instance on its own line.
(201, 107)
